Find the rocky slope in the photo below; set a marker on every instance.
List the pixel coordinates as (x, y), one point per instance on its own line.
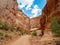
(10, 14)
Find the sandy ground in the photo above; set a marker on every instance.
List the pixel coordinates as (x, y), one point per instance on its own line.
(23, 40)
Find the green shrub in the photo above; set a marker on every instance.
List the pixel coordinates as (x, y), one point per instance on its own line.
(55, 26)
(34, 33)
(6, 26)
(1, 34)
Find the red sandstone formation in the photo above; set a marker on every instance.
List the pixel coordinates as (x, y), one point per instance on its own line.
(35, 22)
(51, 10)
(10, 14)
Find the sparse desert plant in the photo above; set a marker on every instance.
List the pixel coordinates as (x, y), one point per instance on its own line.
(6, 27)
(40, 35)
(34, 33)
(13, 27)
(22, 32)
(1, 35)
(55, 26)
(1, 24)
(8, 36)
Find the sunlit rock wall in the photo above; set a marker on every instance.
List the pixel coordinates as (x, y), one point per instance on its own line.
(10, 14)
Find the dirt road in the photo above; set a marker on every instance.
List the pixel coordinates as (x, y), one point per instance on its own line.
(23, 40)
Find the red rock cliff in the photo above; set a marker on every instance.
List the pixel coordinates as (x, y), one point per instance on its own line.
(51, 10)
(35, 22)
(10, 14)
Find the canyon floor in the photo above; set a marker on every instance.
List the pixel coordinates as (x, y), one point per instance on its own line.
(23, 40)
(26, 40)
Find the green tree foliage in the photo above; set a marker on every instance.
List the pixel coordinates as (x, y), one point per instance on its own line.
(55, 26)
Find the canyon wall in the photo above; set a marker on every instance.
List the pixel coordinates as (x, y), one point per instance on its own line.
(35, 22)
(9, 13)
(52, 9)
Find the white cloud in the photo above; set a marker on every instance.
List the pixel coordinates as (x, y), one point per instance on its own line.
(35, 11)
(27, 5)
(21, 6)
(23, 3)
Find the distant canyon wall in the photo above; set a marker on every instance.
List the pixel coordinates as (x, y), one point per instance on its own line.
(35, 22)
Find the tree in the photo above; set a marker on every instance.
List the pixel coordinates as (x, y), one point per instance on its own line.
(55, 26)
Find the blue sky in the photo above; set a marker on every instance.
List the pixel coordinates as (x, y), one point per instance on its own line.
(31, 8)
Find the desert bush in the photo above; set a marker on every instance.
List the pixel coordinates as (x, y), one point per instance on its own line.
(34, 33)
(6, 27)
(13, 27)
(1, 35)
(8, 36)
(55, 26)
(22, 32)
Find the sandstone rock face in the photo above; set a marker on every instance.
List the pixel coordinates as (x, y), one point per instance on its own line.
(23, 21)
(35, 22)
(51, 7)
(10, 14)
(51, 10)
